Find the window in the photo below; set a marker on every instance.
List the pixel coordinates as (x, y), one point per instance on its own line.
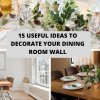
(42, 72)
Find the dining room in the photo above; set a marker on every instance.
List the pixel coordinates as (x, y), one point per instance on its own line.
(76, 78)
(23, 78)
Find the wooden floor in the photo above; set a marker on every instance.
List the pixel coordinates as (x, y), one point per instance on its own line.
(19, 95)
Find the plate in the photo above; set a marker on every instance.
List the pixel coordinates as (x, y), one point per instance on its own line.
(68, 78)
(82, 74)
(93, 70)
(73, 86)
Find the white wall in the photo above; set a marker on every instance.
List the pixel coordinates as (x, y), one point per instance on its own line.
(28, 72)
(15, 68)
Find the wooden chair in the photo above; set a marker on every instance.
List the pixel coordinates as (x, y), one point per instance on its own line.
(7, 89)
(70, 71)
(56, 75)
(52, 97)
(10, 79)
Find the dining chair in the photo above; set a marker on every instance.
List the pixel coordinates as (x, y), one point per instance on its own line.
(70, 71)
(57, 96)
(52, 97)
(7, 88)
(10, 79)
(56, 75)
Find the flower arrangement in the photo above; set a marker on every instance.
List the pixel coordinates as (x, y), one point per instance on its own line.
(61, 16)
(95, 78)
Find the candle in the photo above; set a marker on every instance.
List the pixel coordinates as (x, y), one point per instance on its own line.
(6, 6)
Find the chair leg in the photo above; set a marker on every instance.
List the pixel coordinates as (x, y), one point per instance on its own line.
(9, 96)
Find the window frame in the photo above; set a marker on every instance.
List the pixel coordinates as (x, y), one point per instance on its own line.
(35, 71)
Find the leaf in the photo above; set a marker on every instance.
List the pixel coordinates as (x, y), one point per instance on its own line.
(36, 8)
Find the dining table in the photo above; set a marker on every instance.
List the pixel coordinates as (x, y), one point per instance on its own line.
(92, 93)
(4, 84)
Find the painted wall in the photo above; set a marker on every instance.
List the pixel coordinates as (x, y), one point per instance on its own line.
(96, 57)
(15, 68)
(60, 64)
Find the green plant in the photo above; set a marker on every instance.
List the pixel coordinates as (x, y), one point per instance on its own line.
(98, 74)
(55, 6)
(68, 9)
(3, 20)
(86, 68)
(36, 12)
(59, 18)
(95, 78)
(81, 22)
(47, 20)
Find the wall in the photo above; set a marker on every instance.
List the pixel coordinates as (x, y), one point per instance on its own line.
(84, 5)
(96, 57)
(60, 64)
(15, 68)
(28, 71)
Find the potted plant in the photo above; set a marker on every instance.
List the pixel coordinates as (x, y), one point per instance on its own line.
(59, 17)
(36, 16)
(98, 74)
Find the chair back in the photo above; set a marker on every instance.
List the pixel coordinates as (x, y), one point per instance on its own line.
(10, 79)
(70, 71)
(56, 75)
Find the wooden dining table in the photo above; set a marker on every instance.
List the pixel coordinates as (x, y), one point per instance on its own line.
(3, 84)
(93, 93)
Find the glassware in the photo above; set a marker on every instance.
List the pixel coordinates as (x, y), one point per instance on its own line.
(12, 17)
(25, 12)
(6, 6)
(94, 28)
(94, 25)
(95, 6)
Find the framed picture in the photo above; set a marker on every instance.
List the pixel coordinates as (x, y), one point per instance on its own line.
(2, 60)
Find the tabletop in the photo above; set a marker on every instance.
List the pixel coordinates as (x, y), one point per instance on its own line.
(5, 83)
(92, 93)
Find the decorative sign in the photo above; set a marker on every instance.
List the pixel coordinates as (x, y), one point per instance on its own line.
(27, 44)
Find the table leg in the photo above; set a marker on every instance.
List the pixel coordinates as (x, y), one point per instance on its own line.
(2, 94)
